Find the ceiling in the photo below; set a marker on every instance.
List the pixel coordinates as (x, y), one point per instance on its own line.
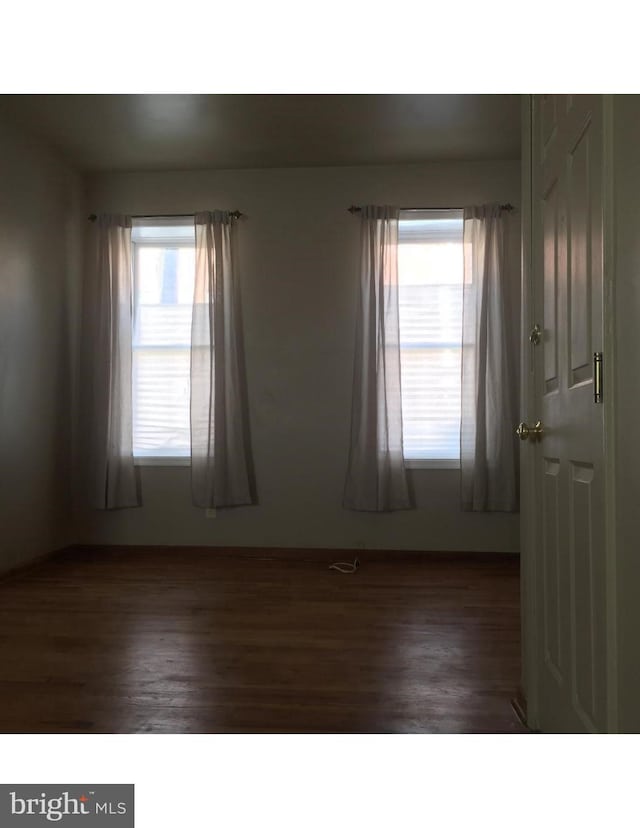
(178, 132)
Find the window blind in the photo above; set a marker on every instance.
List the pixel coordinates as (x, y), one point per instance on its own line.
(163, 278)
(430, 282)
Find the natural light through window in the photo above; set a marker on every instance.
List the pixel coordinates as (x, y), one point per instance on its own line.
(163, 269)
(430, 275)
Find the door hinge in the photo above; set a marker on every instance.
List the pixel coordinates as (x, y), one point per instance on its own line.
(597, 377)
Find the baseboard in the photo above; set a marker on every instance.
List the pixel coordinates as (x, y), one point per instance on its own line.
(323, 555)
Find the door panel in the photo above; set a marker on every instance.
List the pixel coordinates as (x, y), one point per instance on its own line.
(550, 274)
(580, 357)
(567, 264)
(583, 587)
(551, 566)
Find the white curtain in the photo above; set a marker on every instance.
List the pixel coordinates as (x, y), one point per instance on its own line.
(376, 478)
(221, 473)
(107, 321)
(488, 450)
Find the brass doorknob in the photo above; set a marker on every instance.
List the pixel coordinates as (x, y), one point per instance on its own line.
(526, 432)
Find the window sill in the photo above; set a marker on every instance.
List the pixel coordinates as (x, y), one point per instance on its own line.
(161, 461)
(432, 464)
(186, 461)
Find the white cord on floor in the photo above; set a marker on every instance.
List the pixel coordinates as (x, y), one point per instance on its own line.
(346, 568)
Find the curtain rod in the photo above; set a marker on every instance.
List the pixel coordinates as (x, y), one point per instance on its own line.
(232, 213)
(506, 207)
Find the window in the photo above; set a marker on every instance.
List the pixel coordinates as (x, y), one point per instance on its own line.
(430, 276)
(163, 257)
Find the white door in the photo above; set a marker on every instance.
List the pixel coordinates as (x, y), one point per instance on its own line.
(568, 460)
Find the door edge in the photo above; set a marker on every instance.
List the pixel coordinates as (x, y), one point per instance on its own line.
(528, 491)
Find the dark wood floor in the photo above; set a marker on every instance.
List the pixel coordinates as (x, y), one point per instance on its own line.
(194, 641)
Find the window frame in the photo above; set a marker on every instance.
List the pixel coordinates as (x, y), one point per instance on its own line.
(433, 463)
(165, 460)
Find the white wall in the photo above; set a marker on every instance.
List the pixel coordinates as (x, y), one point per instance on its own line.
(40, 207)
(297, 253)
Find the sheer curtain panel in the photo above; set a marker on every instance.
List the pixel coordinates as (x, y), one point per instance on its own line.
(107, 366)
(376, 478)
(220, 448)
(488, 450)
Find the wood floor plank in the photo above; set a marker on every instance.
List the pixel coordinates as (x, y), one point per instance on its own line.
(163, 640)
